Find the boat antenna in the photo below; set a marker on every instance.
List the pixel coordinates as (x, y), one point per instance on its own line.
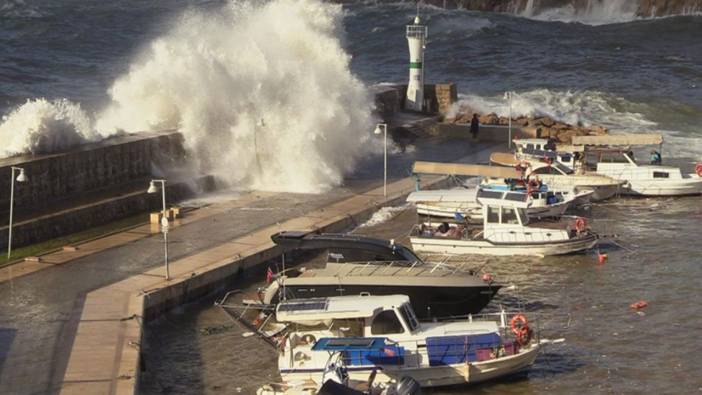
(282, 258)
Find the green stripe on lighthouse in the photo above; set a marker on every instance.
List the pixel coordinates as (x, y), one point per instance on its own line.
(415, 65)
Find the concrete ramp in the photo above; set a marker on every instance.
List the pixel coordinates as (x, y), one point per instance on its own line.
(460, 169)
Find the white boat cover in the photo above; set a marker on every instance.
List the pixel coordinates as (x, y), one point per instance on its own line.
(620, 139)
(443, 195)
(460, 169)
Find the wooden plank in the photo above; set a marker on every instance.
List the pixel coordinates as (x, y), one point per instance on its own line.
(620, 139)
(460, 169)
(503, 159)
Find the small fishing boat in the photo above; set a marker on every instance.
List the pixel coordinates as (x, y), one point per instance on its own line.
(382, 334)
(363, 265)
(506, 230)
(543, 201)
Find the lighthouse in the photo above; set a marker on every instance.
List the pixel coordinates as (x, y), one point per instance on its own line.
(416, 39)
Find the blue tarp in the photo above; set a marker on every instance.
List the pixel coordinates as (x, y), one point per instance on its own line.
(447, 350)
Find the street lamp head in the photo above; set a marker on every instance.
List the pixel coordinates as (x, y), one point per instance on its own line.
(152, 187)
(22, 177)
(378, 129)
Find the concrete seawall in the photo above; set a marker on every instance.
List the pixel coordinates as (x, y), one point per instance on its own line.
(105, 354)
(88, 186)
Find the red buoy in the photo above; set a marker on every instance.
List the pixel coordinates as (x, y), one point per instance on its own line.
(601, 258)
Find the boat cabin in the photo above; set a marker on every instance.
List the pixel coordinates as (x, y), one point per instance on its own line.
(544, 149)
(352, 316)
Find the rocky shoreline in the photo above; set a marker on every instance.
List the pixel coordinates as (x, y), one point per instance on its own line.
(541, 127)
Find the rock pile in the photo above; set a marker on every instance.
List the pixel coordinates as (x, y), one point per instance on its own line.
(542, 127)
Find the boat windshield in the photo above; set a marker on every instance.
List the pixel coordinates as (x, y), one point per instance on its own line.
(409, 317)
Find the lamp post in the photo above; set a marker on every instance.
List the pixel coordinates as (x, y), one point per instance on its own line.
(20, 178)
(508, 96)
(164, 220)
(383, 128)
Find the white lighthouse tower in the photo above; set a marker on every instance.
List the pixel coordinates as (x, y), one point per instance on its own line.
(416, 38)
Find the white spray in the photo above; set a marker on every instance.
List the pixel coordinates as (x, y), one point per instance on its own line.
(262, 93)
(41, 126)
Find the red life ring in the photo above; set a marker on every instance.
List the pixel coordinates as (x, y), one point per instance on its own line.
(580, 224)
(698, 169)
(518, 322)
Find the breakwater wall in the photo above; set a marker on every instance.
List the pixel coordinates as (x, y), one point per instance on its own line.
(88, 186)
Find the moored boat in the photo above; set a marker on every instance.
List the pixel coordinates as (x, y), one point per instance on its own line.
(506, 230)
(363, 265)
(382, 334)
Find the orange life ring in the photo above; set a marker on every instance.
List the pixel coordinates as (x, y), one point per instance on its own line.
(518, 319)
(580, 224)
(698, 169)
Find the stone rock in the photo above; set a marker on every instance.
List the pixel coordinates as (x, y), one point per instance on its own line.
(545, 121)
(490, 119)
(566, 136)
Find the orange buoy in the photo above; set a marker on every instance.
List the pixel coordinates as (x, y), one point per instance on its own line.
(639, 305)
(601, 258)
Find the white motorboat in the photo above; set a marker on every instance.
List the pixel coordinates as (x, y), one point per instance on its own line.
(612, 157)
(650, 180)
(506, 230)
(381, 334)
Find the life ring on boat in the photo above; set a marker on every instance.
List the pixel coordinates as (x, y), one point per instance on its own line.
(580, 224)
(698, 169)
(518, 322)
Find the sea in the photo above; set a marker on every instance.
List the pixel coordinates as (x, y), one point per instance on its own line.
(293, 77)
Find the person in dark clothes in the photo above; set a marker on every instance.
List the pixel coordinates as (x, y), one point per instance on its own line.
(474, 126)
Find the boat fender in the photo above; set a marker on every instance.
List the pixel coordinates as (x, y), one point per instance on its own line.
(309, 339)
(580, 224)
(698, 169)
(407, 386)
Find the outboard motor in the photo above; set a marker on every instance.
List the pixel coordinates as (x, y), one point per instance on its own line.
(408, 386)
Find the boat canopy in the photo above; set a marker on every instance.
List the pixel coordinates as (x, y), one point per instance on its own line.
(336, 307)
(505, 198)
(459, 169)
(443, 195)
(620, 139)
(346, 247)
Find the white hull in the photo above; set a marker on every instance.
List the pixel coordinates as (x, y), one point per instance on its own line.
(675, 187)
(473, 211)
(435, 376)
(484, 247)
